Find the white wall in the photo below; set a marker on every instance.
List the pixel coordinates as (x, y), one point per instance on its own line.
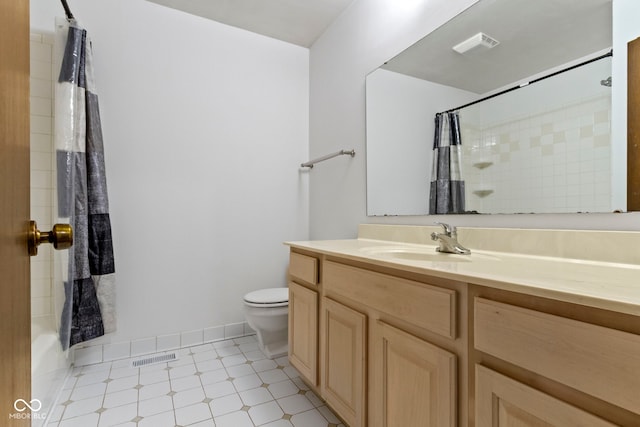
(367, 34)
(400, 130)
(205, 126)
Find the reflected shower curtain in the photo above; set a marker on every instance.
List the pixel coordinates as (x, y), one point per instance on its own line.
(88, 310)
(447, 187)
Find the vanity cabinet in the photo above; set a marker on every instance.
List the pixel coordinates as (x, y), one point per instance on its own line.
(502, 401)
(481, 341)
(414, 382)
(379, 367)
(303, 315)
(303, 331)
(539, 367)
(391, 347)
(344, 365)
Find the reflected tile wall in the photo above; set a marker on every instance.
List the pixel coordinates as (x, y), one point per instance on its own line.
(558, 161)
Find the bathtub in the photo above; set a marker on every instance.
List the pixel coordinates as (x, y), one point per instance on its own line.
(49, 367)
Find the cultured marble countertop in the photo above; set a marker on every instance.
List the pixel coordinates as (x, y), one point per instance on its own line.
(606, 285)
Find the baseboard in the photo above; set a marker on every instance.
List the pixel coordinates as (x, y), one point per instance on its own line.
(92, 354)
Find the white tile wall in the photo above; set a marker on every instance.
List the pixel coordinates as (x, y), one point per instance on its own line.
(143, 346)
(116, 351)
(191, 338)
(558, 161)
(168, 342)
(233, 330)
(88, 355)
(91, 354)
(41, 100)
(217, 333)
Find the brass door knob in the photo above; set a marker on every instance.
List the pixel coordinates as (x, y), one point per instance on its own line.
(61, 236)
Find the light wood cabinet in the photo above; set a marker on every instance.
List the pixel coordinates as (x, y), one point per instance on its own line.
(389, 373)
(304, 299)
(344, 365)
(413, 381)
(429, 307)
(503, 402)
(303, 268)
(303, 331)
(599, 361)
(385, 347)
(541, 362)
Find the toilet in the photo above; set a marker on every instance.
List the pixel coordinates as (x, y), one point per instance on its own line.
(266, 312)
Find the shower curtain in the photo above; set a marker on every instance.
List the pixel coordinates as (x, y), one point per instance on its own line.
(88, 275)
(447, 187)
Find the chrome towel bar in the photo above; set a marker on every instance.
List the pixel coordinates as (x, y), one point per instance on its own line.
(310, 163)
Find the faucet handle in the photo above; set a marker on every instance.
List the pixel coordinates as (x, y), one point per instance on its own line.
(448, 229)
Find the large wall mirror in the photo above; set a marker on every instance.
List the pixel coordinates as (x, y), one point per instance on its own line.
(544, 147)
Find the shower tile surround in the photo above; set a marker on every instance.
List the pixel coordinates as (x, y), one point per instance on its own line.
(49, 366)
(561, 157)
(41, 136)
(226, 383)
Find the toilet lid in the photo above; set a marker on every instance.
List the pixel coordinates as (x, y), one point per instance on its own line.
(268, 296)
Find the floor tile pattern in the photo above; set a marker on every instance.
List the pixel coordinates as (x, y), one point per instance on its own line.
(228, 383)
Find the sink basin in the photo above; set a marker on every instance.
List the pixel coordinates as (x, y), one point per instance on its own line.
(422, 254)
(430, 256)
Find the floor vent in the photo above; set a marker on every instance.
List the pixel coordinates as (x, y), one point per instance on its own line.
(161, 358)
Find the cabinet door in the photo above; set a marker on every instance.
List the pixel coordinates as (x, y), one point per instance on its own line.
(502, 401)
(303, 331)
(414, 382)
(344, 365)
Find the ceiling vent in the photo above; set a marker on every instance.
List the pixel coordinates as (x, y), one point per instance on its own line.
(477, 43)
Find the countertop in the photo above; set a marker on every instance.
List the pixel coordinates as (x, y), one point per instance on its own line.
(605, 285)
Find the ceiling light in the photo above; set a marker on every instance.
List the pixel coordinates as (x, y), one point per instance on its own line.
(478, 42)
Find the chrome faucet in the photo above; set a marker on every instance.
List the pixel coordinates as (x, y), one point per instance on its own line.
(448, 240)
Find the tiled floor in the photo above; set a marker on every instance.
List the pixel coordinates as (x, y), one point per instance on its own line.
(224, 384)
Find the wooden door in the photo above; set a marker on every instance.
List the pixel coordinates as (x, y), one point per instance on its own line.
(502, 401)
(413, 381)
(15, 305)
(344, 364)
(633, 125)
(303, 331)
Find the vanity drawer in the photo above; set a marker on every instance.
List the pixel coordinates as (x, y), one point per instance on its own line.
(501, 400)
(596, 360)
(429, 307)
(303, 268)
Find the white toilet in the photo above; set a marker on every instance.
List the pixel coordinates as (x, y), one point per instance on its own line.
(266, 312)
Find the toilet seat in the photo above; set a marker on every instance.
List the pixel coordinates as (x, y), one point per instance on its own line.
(272, 297)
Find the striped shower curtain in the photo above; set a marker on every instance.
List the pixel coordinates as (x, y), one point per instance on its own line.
(88, 275)
(447, 187)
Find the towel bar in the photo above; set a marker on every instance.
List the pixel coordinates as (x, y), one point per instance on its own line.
(310, 163)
